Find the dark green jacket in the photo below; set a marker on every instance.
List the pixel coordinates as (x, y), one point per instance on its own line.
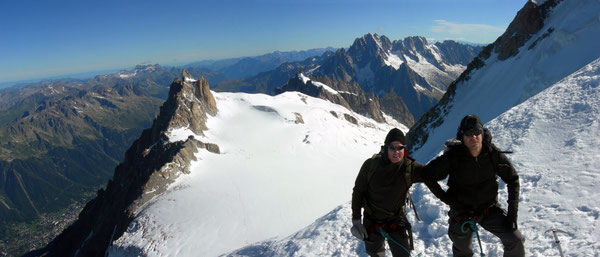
(383, 195)
(472, 182)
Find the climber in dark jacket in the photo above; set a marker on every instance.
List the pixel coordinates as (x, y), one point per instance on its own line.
(381, 188)
(471, 166)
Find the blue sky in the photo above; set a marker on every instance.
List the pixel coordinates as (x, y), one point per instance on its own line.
(47, 38)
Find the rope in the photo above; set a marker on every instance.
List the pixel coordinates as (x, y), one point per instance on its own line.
(473, 227)
(388, 237)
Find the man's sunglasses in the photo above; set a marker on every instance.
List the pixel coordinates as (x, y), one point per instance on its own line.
(472, 132)
(396, 148)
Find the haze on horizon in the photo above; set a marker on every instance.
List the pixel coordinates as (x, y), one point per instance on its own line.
(55, 38)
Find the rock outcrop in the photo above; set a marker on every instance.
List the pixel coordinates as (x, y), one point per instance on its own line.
(303, 84)
(351, 96)
(150, 165)
(529, 20)
(393, 105)
(346, 94)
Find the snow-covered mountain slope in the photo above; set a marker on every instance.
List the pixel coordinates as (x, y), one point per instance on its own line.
(566, 42)
(285, 161)
(555, 137)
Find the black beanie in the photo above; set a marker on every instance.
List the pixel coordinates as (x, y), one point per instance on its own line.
(470, 121)
(394, 135)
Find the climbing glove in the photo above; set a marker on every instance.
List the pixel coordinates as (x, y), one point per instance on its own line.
(358, 230)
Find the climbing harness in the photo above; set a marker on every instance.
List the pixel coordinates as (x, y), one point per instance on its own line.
(473, 226)
(394, 227)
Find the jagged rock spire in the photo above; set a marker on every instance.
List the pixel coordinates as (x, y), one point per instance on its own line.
(188, 104)
(185, 75)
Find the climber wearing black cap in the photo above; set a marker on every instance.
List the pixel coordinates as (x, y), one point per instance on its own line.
(381, 188)
(471, 166)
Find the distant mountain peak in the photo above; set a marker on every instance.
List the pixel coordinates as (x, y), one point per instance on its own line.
(417, 71)
(416, 43)
(368, 47)
(147, 67)
(137, 70)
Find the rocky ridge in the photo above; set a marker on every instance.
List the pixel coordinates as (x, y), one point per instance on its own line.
(351, 96)
(150, 165)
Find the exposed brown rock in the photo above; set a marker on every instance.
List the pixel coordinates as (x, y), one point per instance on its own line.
(334, 114)
(299, 119)
(350, 119)
(528, 21)
(393, 105)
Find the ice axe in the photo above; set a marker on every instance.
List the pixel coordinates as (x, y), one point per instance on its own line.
(554, 231)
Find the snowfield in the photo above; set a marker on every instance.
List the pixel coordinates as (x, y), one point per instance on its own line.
(556, 139)
(284, 162)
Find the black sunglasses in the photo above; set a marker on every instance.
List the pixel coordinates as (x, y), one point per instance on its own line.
(471, 132)
(396, 148)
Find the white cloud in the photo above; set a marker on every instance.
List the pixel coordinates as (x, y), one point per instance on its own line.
(469, 32)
